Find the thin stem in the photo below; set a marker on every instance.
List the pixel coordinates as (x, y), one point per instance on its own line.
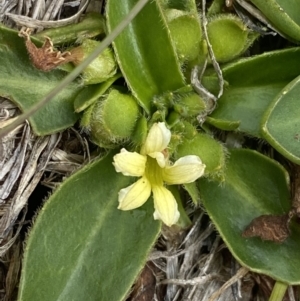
(69, 78)
(210, 50)
(278, 291)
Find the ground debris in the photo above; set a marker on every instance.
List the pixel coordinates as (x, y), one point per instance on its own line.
(145, 287)
(296, 189)
(41, 14)
(194, 265)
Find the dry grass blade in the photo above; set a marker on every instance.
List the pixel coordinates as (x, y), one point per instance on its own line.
(15, 165)
(241, 273)
(46, 22)
(193, 264)
(14, 268)
(31, 176)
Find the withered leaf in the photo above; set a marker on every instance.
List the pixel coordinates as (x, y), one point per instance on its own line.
(295, 183)
(45, 58)
(269, 227)
(144, 288)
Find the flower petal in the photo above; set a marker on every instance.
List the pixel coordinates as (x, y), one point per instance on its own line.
(158, 139)
(160, 158)
(185, 170)
(165, 205)
(130, 164)
(134, 195)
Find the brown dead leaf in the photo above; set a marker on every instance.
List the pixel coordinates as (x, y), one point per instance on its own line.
(296, 189)
(45, 58)
(144, 288)
(269, 227)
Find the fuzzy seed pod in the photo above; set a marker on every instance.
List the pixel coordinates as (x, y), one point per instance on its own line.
(189, 105)
(101, 69)
(186, 34)
(229, 37)
(112, 119)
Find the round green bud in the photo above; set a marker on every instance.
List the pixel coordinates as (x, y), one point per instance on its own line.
(228, 36)
(186, 34)
(189, 131)
(180, 132)
(113, 118)
(210, 151)
(101, 69)
(189, 105)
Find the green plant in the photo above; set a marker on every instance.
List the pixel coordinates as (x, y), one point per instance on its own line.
(260, 96)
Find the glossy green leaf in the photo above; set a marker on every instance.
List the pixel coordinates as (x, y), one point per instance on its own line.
(81, 246)
(253, 84)
(281, 123)
(254, 185)
(283, 14)
(144, 51)
(25, 85)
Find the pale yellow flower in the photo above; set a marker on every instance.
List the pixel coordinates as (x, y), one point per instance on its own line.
(155, 170)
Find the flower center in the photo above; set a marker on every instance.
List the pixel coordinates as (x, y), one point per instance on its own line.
(153, 172)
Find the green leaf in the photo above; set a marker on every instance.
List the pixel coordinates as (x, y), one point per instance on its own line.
(193, 191)
(283, 14)
(184, 220)
(81, 246)
(224, 125)
(91, 93)
(216, 7)
(253, 84)
(144, 51)
(92, 24)
(281, 123)
(25, 85)
(254, 185)
(278, 291)
(183, 5)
